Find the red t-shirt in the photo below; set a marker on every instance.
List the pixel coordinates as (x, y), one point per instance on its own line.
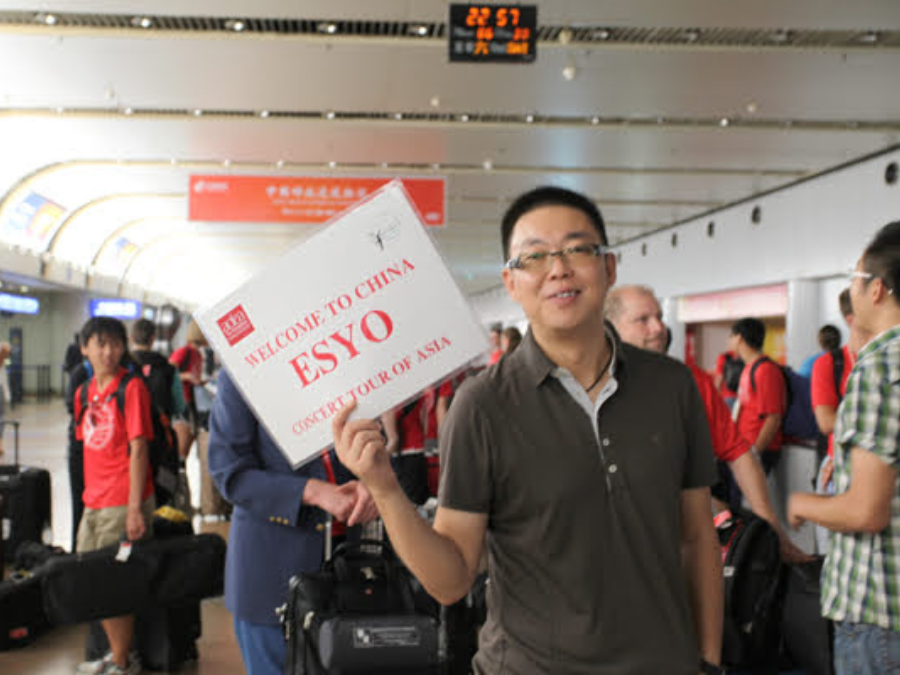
(727, 442)
(720, 371)
(821, 387)
(106, 434)
(767, 398)
(445, 390)
(411, 425)
(187, 359)
(496, 355)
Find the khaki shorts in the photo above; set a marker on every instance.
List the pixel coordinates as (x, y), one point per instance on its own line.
(100, 528)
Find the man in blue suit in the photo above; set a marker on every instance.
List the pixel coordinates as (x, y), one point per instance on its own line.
(277, 524)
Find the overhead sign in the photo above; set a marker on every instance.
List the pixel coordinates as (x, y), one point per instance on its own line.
(34, 219)
(19, 304)
(364, 310)
(493, 33)
(116, 308)
(297, 199)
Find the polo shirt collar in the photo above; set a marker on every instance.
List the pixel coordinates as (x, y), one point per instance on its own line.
(879, 341)
(538, 366)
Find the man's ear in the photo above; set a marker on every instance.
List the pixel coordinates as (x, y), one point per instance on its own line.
(611, 268)
(509, 281)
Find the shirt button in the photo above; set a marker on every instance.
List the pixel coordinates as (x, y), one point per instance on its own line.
(613, 468)
(320, 527)
(605, 442)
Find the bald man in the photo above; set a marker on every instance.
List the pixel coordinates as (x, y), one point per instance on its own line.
(637, 317)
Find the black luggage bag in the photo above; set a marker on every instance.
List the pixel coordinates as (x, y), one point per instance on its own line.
(808, 636)
(22, 616)
(26, 493)
(358, 615)
(753, 575)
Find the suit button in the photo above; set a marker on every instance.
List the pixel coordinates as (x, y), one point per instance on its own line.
(320, 527)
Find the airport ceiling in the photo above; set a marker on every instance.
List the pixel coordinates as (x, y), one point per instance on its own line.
(658, 110)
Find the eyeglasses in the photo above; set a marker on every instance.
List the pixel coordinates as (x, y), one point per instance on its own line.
(540, 261)
(859, 274)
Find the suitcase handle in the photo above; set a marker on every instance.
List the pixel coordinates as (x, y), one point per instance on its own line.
(347, 547)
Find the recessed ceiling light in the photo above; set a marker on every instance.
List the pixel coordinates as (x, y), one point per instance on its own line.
(752, 107)
(327, 27)
(173, 161)
(724, 122)
(142, 22)
(398, 116)
(198, 112)
(565, 36)
(264, 113)
(529, 118)
(226, 163)
(330, 115)
(236, 25)
(435, 101)
(436, 166)
(128, 111)
(421, 30)
(595, 120)
(48, 19)
(601, 34)
(870, 37)
(690, 35)
(332, 164)
(487, 164)
(463, 118)
(60, 110)
(384, 165)
(779, 36)
(569, 72)
(279, 164)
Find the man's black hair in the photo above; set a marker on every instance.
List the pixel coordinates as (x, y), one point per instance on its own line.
(104, 326)
(143, 332)
(549, 196)
(845, 304)
(882, 257)
(752, 331)
(829, 337)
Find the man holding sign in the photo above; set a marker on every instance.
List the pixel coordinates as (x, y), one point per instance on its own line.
(586, 461)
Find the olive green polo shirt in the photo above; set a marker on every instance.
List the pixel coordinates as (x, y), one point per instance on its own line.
(583, 520)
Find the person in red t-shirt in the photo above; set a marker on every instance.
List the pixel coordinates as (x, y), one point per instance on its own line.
(637, 317)
(188, 359)
(762, 394)
(118, 485)
(496, 335)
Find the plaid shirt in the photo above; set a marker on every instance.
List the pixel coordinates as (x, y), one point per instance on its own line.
(861, 576)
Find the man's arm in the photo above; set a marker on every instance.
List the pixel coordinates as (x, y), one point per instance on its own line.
(825, 418)
(138, 462)
(864, 507)
(703, 570)
(443, 558)
(752, 481)
(770, 427)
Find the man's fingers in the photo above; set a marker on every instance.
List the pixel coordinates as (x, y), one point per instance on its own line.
(340, 419)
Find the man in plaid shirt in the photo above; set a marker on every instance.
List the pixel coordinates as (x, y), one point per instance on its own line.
(861, 576)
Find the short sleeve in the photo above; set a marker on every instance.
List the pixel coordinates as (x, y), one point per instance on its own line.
(465, 454)
(821, 384)
(875, 406)
(137, 410)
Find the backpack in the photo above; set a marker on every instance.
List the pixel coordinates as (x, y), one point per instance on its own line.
(158, 374)
(731, 372)
(163, 449)
(799, 421)
(753, 575)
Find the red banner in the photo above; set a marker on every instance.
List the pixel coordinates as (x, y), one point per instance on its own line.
(312, 200)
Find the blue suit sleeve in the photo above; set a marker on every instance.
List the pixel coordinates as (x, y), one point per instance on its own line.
(247, 466)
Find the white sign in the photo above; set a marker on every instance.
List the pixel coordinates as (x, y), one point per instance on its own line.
(364, 310)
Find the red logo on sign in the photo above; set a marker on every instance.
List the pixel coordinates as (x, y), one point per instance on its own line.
(235, 325)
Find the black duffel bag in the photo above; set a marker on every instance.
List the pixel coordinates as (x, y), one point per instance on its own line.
(808, 636)
(358, 615)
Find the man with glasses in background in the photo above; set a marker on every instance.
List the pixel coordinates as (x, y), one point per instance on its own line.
(586, 462)
(860, 589)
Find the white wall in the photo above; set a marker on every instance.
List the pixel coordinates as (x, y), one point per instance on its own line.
(812, 231)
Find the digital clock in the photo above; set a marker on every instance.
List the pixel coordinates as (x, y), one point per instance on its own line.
(493, 33)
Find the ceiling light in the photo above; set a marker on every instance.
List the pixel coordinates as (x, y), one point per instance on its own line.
(128, 111)
(142, 22)
(226, 163)
(436, 166)
(724, 122)
(236, 25)
(488, 165)
(529, 118)
(690, 35)
(24, 289)
(279, 164)
(60, 110)
(332, 164)
(173, 162)
(327, 27)
(752, 107)
(595, 120)
(435, 101)
(871, 37)
(421, 30)
(398, 116)
(565, 36)
(780, 36)
(264, 113)
(601, 34)
(198, 112)
(330, 115)
(463, 118)
(384, 165)
(569, 72)
(48, 19)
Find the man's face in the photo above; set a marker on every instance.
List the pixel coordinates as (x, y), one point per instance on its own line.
(639, 322)
(563, 293)
(105, 354)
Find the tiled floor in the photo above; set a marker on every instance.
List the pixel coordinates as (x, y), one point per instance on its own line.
(43, 444)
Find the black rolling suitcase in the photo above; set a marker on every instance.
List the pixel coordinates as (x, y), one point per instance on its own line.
(26, 492)
(358, 615)
(808, 637)
(22, 616)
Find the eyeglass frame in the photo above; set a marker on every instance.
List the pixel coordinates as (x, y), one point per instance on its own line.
(515, 263)
(867, 277)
